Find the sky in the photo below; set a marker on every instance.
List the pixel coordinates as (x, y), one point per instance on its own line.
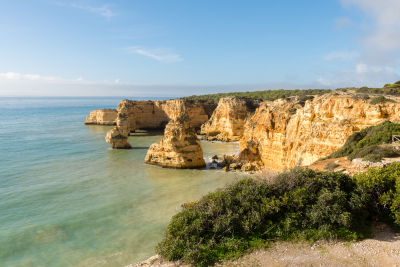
(186, 47)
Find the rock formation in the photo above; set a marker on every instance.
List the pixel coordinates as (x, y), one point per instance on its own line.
(179, 148)
(133, 115)
(227, 121)
(102, 117)
(282, 134)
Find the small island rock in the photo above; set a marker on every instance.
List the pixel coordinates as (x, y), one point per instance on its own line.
(179, 148)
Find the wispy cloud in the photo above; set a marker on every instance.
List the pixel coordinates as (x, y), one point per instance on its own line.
(380, 38)
(103, 10)
(32, 78)
(15, 84)
(163, 55)
(341, 23)
(361, 74)
(341, 56)
(375, 62)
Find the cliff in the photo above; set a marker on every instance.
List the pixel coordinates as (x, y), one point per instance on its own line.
(284, 133)
(133, 115)
(102, 117)
(228, 119)
(179, 148)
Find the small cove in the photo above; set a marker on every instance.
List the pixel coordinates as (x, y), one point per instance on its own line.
(67, 199)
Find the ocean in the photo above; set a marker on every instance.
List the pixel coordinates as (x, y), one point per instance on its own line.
(68, 199)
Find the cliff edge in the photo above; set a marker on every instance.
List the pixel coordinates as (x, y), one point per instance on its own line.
(284, 133)
(102, 117)
(228, 120)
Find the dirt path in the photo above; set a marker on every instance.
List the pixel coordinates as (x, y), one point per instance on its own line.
(382, 250)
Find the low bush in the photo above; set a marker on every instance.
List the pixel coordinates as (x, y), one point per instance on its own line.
(364, 97)
(381, 190)
(370, 136)
(298, 204)
(373, 153)
(380, 99)
(331, 166)
(263, 95)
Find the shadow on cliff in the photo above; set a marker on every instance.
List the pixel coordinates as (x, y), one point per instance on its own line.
(141, 133)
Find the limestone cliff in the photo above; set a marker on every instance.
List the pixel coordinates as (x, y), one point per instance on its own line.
(228, 119)
(102, 117)
(283, 133)
(179, 148)
(133, 115)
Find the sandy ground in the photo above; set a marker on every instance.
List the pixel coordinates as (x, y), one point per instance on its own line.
(381, 250)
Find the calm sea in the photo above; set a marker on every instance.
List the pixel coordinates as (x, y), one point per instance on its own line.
(67, 199)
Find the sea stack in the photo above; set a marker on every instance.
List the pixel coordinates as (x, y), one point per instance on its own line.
(179, 148)
(118, 136)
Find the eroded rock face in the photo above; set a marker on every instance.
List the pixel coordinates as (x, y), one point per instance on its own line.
(282, 134)
(133, 115)
(118, 135)
(227, 121)
(102, 117)
(179, 148)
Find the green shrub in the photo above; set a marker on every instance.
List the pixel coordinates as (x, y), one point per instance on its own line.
(381, 189)
(380, 99)
(364, 97)
(299, 204)
(331, 166)
(373, 153)
(370, 136)
(262, 95)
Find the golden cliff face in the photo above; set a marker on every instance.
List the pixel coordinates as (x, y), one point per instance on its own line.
(102, 117)
(134, 115)
(282, 134)
(179, 148)
(227, 121)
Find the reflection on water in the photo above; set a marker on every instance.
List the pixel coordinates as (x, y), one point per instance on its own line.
(67, 199)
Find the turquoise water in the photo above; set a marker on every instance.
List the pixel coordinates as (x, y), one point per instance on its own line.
(67, 199)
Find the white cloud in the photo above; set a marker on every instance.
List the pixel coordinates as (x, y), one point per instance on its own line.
(381, 38)
(341, 23)
(15, 84)
(32, 78)
(103, 10)
(361, 75)
(163, 55)
(341, 56)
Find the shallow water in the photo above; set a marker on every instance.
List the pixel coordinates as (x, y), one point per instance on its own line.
(67, 199)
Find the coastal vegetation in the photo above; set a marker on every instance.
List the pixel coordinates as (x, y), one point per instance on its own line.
(388, 89)
(368, 143)
(300, 204)
(380, 99)
(270, 95)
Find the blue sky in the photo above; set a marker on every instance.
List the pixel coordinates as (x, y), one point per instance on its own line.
(182, 47)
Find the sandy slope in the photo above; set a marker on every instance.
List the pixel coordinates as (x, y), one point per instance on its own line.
(382, 250)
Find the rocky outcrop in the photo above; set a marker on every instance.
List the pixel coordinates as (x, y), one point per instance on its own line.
(228, 119)
(133, 115)
(102, 117)
(284, 133)
(179, 148)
